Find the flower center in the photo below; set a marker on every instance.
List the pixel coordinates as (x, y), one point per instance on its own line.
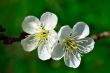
(43, 34)
(70, 44)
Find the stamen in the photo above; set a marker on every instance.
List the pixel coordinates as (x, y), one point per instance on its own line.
(70, 44)
(82, 41)
(42, 35)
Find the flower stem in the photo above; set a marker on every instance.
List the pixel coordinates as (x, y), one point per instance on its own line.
(101, 36)
(10, 40)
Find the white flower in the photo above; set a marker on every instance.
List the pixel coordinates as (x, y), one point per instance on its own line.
(72, 43)
(42, 34)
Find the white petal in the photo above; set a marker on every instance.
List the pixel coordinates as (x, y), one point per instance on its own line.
(52, 38)
(81, 30)
(29, 43)
(57, 52)
(86, 45)
(44, 52)
(64, 32)
(72, 60)
(49, 20)
(31, 25)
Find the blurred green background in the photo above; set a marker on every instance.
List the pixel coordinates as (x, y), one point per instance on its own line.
(96, 13)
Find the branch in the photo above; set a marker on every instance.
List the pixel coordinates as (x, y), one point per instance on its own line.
(10, 40)
(101, 36)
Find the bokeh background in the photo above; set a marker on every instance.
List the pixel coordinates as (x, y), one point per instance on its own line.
(96, 13)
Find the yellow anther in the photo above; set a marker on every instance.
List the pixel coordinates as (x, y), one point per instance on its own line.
(43, 34)
(70, 44)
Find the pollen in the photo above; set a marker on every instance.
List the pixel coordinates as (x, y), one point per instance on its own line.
(70, 44)
(42, 35)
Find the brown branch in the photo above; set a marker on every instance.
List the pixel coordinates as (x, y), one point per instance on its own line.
(10, 40)
(101, 36)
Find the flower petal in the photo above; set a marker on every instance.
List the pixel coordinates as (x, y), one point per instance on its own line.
(29, 43)
(49, 20)
(57, 52)
(44, 52)
(81, 30)
(52, 38)
(31, 25)
(45, 49)
(64, 32)
(72, 59)
(86, 45)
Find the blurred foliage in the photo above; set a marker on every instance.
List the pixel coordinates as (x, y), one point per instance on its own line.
(96, 13)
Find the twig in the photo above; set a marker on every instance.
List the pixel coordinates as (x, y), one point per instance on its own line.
(10, 40)
(101, 35)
